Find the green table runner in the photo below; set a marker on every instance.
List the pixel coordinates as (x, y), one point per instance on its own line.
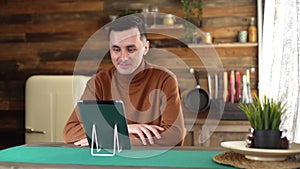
(62, 155)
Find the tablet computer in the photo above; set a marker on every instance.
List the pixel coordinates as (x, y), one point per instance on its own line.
(106, 117)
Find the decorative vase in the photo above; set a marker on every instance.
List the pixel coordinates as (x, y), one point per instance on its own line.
(268, 139)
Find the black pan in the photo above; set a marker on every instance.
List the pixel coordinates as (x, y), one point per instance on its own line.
(197, 99)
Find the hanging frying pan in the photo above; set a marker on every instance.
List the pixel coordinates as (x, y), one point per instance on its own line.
(196, 100)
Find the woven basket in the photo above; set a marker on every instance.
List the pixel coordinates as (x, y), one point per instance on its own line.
(238, 160)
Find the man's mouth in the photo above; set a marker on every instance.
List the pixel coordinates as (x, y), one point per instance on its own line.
(124, 65)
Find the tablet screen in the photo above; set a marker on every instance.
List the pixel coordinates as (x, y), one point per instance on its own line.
(105, 116)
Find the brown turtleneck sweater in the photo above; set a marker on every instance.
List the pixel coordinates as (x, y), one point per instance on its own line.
(150, 96)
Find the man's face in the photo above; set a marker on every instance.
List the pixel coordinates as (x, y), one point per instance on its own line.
(127, 50)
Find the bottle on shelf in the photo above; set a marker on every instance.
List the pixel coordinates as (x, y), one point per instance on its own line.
(252, 31)
(154, 13)
(145, 12)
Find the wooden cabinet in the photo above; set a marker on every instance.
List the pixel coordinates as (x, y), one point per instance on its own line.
(225, 131)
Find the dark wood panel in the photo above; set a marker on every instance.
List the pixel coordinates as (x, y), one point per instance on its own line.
(229, 11)
(227, 3)
(226, 21)
(10, 139)
(237, 51)
(12, 90)
(29, 47)
(12, 37)
(64, 26)
(11, 120)
(12, 127)
(37, 6)
(225, 18)
(16, 19)
(49, 36)
(58, 55)
(221, 52)
(68, 67)
(139, 4)
(225, 32)
(71, 16)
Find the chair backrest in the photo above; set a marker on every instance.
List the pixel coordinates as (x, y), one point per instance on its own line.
(49, 101)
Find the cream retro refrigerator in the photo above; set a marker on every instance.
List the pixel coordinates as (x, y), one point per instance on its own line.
(49, 101)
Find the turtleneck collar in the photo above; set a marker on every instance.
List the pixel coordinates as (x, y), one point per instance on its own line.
(121, 83)
(137, 75)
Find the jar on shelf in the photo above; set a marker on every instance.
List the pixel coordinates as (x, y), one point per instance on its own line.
(169, 19)
(207, 38)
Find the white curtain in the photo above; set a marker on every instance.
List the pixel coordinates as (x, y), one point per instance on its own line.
(279, 73)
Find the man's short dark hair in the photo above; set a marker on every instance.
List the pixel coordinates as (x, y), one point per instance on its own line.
(128, 22)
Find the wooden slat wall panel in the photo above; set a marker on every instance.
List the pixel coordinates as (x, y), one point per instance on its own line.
(46, 37)
(229, 11)
(139, 4)
(64, 26)
(39, 37)
(224, 18)
(37, 6)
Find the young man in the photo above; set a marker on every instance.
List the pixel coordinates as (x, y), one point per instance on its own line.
(150, 93)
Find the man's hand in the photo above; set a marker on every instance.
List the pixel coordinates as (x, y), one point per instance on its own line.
(143, 130)
(82, 142)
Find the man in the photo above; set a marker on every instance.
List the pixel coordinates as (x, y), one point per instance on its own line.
(149, 92)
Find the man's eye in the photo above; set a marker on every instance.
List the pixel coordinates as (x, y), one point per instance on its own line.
(131, 49)
(116, 49)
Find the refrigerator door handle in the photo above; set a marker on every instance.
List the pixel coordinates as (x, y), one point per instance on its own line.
(31, 130)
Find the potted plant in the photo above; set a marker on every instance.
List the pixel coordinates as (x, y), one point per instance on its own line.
(265, 118)
(192, 10)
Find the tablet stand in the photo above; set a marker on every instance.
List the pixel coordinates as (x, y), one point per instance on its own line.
(116, 146)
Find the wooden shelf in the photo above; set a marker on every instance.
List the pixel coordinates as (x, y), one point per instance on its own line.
(168, 27)
(223, 45)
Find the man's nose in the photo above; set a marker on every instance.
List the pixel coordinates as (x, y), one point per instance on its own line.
(124, 55)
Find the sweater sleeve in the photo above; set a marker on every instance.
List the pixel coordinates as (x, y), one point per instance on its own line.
(172, 116)
(73, 130)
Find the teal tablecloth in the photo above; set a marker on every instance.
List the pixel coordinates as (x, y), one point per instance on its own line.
(62, 155)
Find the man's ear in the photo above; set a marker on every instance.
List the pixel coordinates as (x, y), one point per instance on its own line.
(147, 46)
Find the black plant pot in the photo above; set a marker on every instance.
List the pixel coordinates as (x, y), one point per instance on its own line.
(268, 139)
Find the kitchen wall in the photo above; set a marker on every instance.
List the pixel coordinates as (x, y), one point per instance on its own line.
(45, 37)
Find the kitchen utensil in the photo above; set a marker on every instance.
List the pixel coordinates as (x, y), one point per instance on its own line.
(154, 13)
(245, 98)
(232, 86)
(237, 86)
(248, 86)
(196, 100)
(209, 86)
(216, 86)
(225, 83)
